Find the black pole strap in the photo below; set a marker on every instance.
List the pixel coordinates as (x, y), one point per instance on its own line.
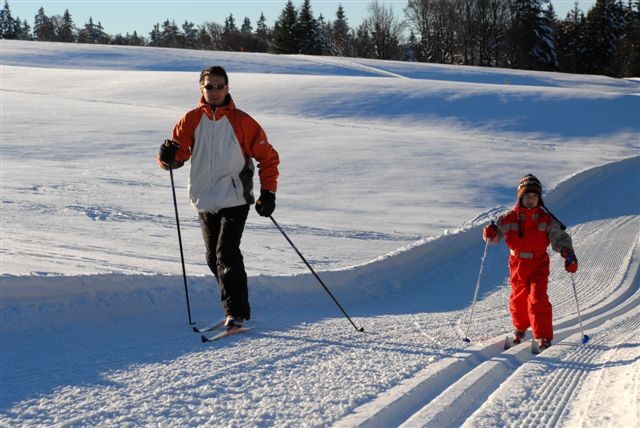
(562, 226)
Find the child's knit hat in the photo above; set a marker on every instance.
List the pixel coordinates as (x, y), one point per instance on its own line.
(529, 184)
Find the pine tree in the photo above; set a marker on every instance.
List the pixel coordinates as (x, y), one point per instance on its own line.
(363, 45)
(43, 29)
(605, 25)
(9, 27)
(135, 40)
(571, 45)
(531, 36)
(24, 30)
(262, 29)
(629, 51)
(412, 47)
(283, 40)
(154, 35)
(100, 35)
(262, 34)
(230, 24)
(307, 32)
(189, 35)
(119, 39)
(246, 28)
(204, 40)
(169, 35)
(340, 33)
(66, 28)
(86, 34)
(325, 37)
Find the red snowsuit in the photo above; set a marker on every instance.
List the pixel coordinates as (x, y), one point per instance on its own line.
(528, 232)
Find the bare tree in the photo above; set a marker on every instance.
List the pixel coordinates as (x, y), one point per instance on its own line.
(385, 30)
(459, 31)
(491, 20)
(438, 23)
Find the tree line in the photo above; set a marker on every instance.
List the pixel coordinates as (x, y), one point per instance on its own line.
(522, 34)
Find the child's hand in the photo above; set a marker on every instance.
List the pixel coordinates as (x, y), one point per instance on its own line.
(570, 260)
(490, 232)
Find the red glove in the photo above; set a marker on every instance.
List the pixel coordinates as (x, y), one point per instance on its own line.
(570, 260)
(490, 231)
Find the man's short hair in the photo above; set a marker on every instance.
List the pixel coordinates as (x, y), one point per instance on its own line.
(214, 70)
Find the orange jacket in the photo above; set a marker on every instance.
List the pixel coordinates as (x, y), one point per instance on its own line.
(531, 230)
(221, 145)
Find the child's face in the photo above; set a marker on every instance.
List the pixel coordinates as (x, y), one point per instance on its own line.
(530, 200)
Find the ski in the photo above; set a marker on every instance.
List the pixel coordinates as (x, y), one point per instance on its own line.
(535, 349)
(508, 342)
(229, 332)
(210, 327)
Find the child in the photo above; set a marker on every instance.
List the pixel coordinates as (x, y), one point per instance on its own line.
(528, 229)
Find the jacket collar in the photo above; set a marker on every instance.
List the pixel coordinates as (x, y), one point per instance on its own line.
(219, 110)
(527, 211)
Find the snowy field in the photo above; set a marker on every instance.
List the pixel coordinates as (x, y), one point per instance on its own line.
(389, 170)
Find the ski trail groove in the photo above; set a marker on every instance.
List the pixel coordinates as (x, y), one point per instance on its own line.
(448, 392)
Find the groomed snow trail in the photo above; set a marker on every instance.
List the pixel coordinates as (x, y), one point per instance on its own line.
(310, 367)
(487, 386)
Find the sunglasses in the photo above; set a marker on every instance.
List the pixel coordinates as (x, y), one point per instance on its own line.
(218, 87)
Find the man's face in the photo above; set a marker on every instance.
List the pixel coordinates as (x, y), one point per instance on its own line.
(214, 90)
(530, 200)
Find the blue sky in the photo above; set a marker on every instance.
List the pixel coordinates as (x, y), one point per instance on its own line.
(120, 16)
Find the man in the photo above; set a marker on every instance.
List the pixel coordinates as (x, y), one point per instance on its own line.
(528, 229)
(221, 141)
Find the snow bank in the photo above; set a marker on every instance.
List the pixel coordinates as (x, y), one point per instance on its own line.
(440, 265)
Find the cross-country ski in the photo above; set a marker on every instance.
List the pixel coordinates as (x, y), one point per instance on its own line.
(228, 332)
(213, 326)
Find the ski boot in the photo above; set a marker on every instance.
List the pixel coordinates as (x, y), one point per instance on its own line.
(518, 335)
(231, 322)
(539, 345)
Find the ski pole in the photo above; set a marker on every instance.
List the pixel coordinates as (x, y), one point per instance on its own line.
(361, 329)
(585, 338)
(184, 272)
(475, 294)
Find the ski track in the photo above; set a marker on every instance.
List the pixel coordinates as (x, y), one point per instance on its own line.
(594, 412)
(544, 397)
(471, 377)
(433, 383)
(200, 372)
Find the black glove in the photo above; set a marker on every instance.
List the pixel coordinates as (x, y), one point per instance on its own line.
(167, 155)
(266, 203)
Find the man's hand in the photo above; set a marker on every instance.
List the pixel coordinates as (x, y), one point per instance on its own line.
(266, 204)
(167, 155)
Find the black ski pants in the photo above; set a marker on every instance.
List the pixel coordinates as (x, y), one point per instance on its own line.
(222, 232)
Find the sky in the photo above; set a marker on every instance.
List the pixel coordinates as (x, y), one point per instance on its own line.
(127, 16)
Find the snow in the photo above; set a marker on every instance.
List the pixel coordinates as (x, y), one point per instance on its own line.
(389, 171)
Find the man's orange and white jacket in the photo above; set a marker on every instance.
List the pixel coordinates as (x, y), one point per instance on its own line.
(221, 145)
